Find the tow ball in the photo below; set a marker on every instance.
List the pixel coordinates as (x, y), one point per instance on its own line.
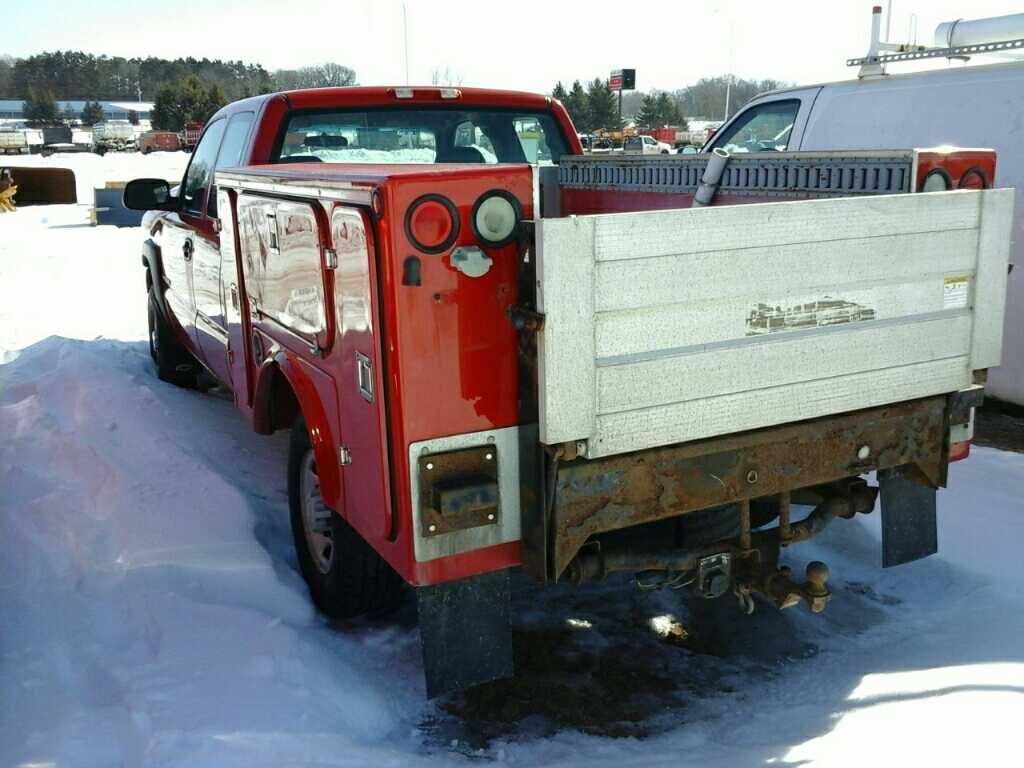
(778, 586)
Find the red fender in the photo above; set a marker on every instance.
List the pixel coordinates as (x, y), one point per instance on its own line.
(312, 388)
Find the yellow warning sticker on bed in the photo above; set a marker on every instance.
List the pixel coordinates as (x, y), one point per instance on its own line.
(954, 292)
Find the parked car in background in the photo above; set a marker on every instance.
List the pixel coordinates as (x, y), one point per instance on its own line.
(645, 145)
(159, 141)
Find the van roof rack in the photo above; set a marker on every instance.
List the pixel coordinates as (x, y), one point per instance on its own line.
(881, 53)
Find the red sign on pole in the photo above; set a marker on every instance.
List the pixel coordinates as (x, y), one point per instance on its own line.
(622, 80)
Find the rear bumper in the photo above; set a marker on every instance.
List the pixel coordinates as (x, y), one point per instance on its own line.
(597, 496)
(564, 501)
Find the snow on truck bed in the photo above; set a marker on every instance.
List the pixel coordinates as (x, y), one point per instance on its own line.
(152, 613)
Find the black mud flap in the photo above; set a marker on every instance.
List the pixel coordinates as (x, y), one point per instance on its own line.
(909, 528)
(465, 633)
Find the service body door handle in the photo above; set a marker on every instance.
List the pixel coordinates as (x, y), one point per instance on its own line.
(187, 248)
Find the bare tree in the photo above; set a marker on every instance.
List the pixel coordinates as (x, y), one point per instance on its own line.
(326, 75)
(445, 76)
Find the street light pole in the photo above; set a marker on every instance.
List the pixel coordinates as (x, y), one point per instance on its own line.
(405, 38)
(728, 75)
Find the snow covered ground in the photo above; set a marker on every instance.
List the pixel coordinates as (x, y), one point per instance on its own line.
(152, 613)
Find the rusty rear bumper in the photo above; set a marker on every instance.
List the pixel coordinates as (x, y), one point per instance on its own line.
(589, 497)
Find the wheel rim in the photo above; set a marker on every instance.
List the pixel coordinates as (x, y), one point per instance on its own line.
(154, 340)
(316, 517)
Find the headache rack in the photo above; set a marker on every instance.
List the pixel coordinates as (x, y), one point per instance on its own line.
(762, 174)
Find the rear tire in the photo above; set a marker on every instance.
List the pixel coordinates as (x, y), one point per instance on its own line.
(174, 364)
(345, 575)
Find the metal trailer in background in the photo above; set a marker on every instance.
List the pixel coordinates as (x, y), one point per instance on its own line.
(64, 139)
(190, 136)
(113, 136)
(159, 141)
(13, 143)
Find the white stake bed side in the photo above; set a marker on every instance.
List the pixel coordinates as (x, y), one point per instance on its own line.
(668, 326)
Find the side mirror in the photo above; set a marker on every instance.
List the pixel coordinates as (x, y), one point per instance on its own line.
(149, 195)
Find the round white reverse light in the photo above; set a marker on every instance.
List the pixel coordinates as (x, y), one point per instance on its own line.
(936, 181)
(495, 219)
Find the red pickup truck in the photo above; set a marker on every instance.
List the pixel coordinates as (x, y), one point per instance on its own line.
(493, 351)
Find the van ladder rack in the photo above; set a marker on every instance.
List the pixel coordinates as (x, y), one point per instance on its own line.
(954, 52)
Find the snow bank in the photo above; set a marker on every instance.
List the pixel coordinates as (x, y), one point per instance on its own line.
(153, 615)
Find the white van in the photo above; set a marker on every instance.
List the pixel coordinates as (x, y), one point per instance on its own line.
(965, 106)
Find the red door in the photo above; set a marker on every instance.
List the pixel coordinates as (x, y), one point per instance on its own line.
(360, 382)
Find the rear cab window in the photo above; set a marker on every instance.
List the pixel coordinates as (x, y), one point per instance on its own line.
(422, 135)
(764, 127)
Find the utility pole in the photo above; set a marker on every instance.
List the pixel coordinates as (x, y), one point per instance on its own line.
(405, 37)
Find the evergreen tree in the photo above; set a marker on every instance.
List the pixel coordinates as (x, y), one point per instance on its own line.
(669, 112)
(559, 92)
(40, 107)
(575, 103)
(658, 109)
(647, 117)
(602, 105)
(188, 100)
(92, 113)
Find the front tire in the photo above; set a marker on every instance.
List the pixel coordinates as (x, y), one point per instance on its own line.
(345, 575)
(173, 362)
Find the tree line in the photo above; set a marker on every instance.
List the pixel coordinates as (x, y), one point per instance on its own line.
(183, 90)
(595, 106)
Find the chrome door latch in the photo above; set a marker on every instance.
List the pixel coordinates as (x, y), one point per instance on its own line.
(344, 456)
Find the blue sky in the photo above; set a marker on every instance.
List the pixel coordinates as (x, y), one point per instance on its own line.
(525, 44)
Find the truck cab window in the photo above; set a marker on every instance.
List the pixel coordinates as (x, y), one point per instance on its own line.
(200, 169)
(469, 135)
(230, 154)
(421, 135)
(763, 128)
(534, 140)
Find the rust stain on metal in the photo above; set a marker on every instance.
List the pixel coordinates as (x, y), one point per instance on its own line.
(601, 495)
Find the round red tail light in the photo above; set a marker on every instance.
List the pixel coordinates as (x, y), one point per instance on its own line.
(973, 178)
(432, 223)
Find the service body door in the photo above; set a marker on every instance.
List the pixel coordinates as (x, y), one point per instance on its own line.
(360, 390)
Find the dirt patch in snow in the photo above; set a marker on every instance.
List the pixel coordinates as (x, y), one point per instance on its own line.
(614, 661)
